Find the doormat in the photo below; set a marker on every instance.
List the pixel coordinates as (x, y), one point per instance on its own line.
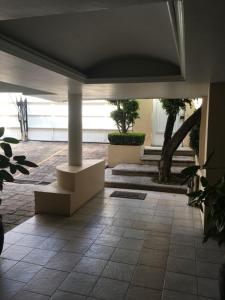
(129, 195)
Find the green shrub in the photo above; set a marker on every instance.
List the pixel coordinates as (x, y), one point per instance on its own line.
(125, 114)
(131, 138)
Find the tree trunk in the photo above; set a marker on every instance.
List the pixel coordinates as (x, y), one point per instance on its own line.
(166, 159)
(171, 119)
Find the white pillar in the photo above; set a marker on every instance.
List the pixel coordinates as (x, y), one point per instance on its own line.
(75, 129)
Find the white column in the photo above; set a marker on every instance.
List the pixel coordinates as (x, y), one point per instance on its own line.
(75, 129)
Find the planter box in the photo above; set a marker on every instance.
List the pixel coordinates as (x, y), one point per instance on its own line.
(118, 154)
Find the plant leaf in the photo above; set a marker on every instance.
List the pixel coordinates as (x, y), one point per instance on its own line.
(2, 130)
(190, 171)
(4, 162)
(7, 149)
(13, 168)
(10, 140)
(23, 170)
(204, 181)
(28, 163)
(195, 194)
(19, 157)
(6, 176)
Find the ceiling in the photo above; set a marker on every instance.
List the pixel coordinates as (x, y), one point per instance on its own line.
(111, 49)
(15, 9)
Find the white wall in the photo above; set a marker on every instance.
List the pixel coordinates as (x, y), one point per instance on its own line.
(48, 120)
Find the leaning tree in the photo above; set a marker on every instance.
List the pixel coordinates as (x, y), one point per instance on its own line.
(172, 108)
(170, 148)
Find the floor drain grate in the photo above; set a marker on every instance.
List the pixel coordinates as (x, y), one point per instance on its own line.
(129, 195)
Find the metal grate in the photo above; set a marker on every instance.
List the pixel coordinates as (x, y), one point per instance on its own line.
(129, 195)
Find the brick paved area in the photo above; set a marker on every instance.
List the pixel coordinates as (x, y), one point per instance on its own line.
(17, 199)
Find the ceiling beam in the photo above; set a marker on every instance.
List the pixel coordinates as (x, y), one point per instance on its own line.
(15, 9)
(17, 49)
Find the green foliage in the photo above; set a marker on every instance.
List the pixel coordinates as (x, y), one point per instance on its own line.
(212, 196)
(194, 137)
(125, 114)
(10, 164)
(173, 106)
(131, 138)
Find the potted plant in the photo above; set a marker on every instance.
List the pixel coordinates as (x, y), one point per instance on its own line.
(125, 146)
(210, 198)
(9, 165)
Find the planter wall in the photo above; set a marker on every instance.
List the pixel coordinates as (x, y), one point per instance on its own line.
(118, 154)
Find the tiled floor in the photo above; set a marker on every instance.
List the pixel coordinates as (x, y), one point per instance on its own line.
(112, 249)
(18, 199)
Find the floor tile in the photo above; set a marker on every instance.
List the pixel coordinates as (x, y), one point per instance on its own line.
(136, 293)
(181, 282)
(211, 256)
(118, 271)
(107, 240)
(63, 261)
(142, 225)
(131, 244)
(110, 289)
(78, 245)
(31, 241)
(182, 251)
(125, 256)
(22, 271)
(161, 228)
(34, 229)
(79, 283)
(100, 251)
(134, 234)
(171, 295)
(149, 277)
(13, 237)
(162, 220)
(157, 242)
(114, 230)
(9, 288)
(46, 281)
(59, 295)
(180, 239)
(53, 244)
(209, 270)
(122, 222)
(15, 252)
(6, 264)
(155, 258)
(203, 298)
(208, 287)
(5, 246)
(181, 265)
(64, 234)
(39, 256)
(210, 244)
(90, 265)
(26, 295)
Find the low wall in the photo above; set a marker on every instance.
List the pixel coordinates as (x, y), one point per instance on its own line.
(118, 154)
